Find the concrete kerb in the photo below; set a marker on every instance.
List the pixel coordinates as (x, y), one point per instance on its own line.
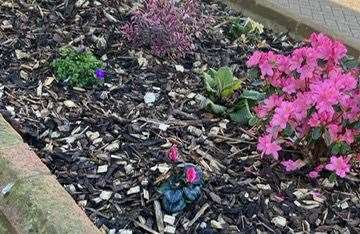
(31, 199)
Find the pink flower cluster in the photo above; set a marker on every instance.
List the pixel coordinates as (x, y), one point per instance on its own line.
(166, 27)
(312, 91)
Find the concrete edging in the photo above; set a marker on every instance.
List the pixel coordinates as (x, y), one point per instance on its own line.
(31, 199)
(282, 20)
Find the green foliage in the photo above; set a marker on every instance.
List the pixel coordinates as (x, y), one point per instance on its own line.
(245, 28)
(316, 133)
(77, 68)
(348, 63)
(340, 148)
(332, 178)
(221, 85)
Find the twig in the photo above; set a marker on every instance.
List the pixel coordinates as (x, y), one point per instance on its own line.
(146, 228)
(197, 216)
(233, 140)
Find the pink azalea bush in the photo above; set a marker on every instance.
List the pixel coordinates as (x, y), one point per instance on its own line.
(314, 106)
(165, 26)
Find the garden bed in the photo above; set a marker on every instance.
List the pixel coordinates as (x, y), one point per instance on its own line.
(108, 147)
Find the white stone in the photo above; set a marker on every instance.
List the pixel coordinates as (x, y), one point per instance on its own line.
(169, 219)
(105, 195)
(149, 98)
(179, 68)
(279, 221)
(125, 231)
(163, 127)
(97, 200)
(263, 186)
(191, 95)
(133, 190)
(117, 196)
(215, 224)
(344, 205)
(102, 169)
(129, 169)
(169, 229)
(113, 146)
(69, 104)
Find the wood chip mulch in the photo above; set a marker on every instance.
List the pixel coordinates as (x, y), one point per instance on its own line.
(107, 147)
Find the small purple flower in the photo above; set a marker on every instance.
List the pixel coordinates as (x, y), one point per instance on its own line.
(100, 73)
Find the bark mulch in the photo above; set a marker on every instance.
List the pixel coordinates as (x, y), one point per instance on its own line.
(107, 147)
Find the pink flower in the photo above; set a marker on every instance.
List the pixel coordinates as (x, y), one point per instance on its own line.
(316, 172)
(339, 51)
(173, 154)
(283, 63)
(325, 95)
(268, 105)
(348, 137)
(339, 165)
(268, 147)
(334, 130)
(344, 82)
(266, 63)
(191, 175)
(254, 59)
(323, 117)
(313, 174)
(291, 165)
(266, 69)
(282, 115)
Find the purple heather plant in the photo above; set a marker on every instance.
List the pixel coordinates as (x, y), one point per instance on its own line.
(165, 26)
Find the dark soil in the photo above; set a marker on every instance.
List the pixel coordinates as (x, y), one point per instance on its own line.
(76, 131)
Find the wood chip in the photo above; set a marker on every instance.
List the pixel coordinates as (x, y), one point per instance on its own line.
(133, 190)
(146, 228)
(146, 194)
(159, 216)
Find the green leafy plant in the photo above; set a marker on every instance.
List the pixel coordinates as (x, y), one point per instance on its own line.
(81, 69)
(221, 83)
(225, 98)
(245, 28)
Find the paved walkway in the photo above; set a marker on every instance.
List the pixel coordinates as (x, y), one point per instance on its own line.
(339, 16)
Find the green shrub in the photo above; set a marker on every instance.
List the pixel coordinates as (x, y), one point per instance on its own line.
(77, 68)
(245, 28)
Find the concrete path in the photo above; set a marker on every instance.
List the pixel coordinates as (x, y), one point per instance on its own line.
(337, 18)
(340, 16)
